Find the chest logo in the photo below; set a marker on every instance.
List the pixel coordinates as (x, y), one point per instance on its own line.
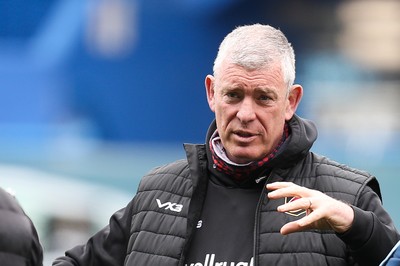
(169, 206)
(294, 212)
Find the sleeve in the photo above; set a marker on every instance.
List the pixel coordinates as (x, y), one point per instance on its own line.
(373, 233)
(106, 247)
(19, 235)
(36, 250)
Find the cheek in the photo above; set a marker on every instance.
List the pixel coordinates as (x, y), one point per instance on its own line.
(226, 115)
(222, 113)
(221, 122)
(273, 122)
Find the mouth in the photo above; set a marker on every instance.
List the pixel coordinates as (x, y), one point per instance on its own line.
(245, 135)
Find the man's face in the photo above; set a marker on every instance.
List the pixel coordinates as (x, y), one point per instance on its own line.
(250, 108)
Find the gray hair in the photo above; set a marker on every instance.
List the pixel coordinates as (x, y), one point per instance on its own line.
(255, 47)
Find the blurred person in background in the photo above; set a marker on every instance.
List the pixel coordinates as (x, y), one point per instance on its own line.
(19, 241)
(254, 194)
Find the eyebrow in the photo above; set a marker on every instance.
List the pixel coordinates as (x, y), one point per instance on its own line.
(266, 90)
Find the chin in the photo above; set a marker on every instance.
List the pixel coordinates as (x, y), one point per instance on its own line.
(245, 155)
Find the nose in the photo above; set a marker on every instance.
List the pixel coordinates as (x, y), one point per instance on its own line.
(246, 111)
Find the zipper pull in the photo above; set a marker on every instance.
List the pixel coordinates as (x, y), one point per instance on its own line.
(258, 180)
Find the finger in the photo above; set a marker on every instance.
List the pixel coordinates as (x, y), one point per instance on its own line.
(310, 219)
(290, 191)
(307, 222)
(293, 227)
(278, 185)
(296, 204)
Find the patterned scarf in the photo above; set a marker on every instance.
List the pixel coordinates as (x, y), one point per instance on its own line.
(239, 172)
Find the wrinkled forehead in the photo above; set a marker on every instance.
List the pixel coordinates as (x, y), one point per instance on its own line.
(237, 77)
(230, 68)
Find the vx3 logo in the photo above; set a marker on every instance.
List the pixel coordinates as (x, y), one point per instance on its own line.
(169, 206)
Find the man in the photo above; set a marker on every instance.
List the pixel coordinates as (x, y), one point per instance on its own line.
(253, 194)
(19, 242)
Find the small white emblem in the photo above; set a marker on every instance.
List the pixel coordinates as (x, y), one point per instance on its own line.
(199, 224)
(170, 206)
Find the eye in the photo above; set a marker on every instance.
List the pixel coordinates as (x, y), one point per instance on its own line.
(264, 98)
(232, 94)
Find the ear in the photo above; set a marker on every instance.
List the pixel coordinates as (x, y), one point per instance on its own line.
(209, 82)
(294, 97)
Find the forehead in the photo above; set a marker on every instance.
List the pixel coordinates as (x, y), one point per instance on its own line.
(232, 74)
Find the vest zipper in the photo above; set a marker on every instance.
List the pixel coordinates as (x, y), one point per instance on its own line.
(257, 216)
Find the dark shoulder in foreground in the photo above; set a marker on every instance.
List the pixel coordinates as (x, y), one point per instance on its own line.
(19, 241)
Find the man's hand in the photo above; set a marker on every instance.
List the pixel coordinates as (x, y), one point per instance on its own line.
(323, 212)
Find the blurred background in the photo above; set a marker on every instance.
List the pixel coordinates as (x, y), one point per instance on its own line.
(95, 93)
